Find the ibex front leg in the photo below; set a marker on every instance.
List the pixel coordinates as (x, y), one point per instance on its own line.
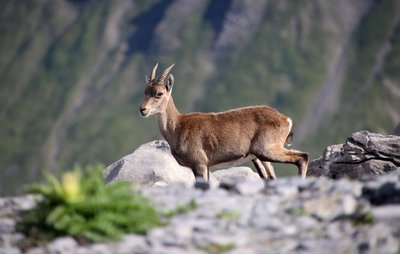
(269, 169)
(264, 169)
(201, 170)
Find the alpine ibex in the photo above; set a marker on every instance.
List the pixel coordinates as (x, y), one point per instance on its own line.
(202, 140)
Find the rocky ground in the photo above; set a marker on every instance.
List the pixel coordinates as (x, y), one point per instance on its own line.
(290, 215)
(350, 203)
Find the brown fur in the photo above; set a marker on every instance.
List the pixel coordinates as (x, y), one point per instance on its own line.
(202, 140)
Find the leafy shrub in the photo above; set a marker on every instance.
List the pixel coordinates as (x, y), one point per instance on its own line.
(81, 205)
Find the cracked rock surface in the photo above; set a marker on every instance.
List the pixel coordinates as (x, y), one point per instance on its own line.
(354, 208)
(290, 215)
(363, 153)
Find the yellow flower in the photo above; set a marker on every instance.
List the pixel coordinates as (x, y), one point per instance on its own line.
(71, 187)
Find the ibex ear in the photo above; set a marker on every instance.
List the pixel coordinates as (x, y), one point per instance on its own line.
(170, 83)
(147, 79)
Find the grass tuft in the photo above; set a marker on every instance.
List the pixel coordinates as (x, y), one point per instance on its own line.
(181, 209)
(215, 248)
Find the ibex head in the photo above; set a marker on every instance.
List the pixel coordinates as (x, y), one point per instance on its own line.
(157, 93)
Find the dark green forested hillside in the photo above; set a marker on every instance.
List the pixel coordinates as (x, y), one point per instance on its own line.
(72, 72)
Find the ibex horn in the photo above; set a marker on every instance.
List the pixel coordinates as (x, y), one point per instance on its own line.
(153, 72)
(165, 73)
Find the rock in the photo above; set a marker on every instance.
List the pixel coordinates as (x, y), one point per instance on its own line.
(169, 197)
(378, 145)
(152, 163)
(364, 153)
(7, 225)
(337, 229)
(372, 167)
(250, 186)
(383, 190)
(9, 205)
(11, 239)
(231, 178)
(285, 187)
(62, 245)
(37, 250)
(328, 246)
(331, 207)
(387, 212)
(9, 250)
(234, 173)
(131, 242)
(201, 184)
(289, 215)
(101, 248)
(377, 239)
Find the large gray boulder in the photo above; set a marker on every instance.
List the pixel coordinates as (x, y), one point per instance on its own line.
(364, 153)
(153, 164)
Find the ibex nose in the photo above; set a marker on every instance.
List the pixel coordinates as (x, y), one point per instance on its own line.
(142, 110)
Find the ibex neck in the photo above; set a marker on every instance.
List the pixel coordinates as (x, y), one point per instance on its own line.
(168, 120)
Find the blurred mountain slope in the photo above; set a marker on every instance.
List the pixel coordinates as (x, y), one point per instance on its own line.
(72, 72)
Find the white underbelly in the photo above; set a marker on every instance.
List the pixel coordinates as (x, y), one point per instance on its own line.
(234, 163)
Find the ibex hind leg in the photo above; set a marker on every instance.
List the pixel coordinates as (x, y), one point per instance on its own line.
(283, 155)
(300, 159)
(303, 163)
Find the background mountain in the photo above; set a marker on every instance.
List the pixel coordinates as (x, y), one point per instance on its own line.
(72, 72)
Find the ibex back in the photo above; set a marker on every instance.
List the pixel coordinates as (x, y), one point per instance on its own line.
(203, 140)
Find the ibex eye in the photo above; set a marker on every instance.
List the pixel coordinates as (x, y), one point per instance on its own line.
(159, 95)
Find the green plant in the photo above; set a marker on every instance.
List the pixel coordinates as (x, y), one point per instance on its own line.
(230, 215)
(218, 247)
(81, 205)
(297, 211)
(181, 209)
(363, 219)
